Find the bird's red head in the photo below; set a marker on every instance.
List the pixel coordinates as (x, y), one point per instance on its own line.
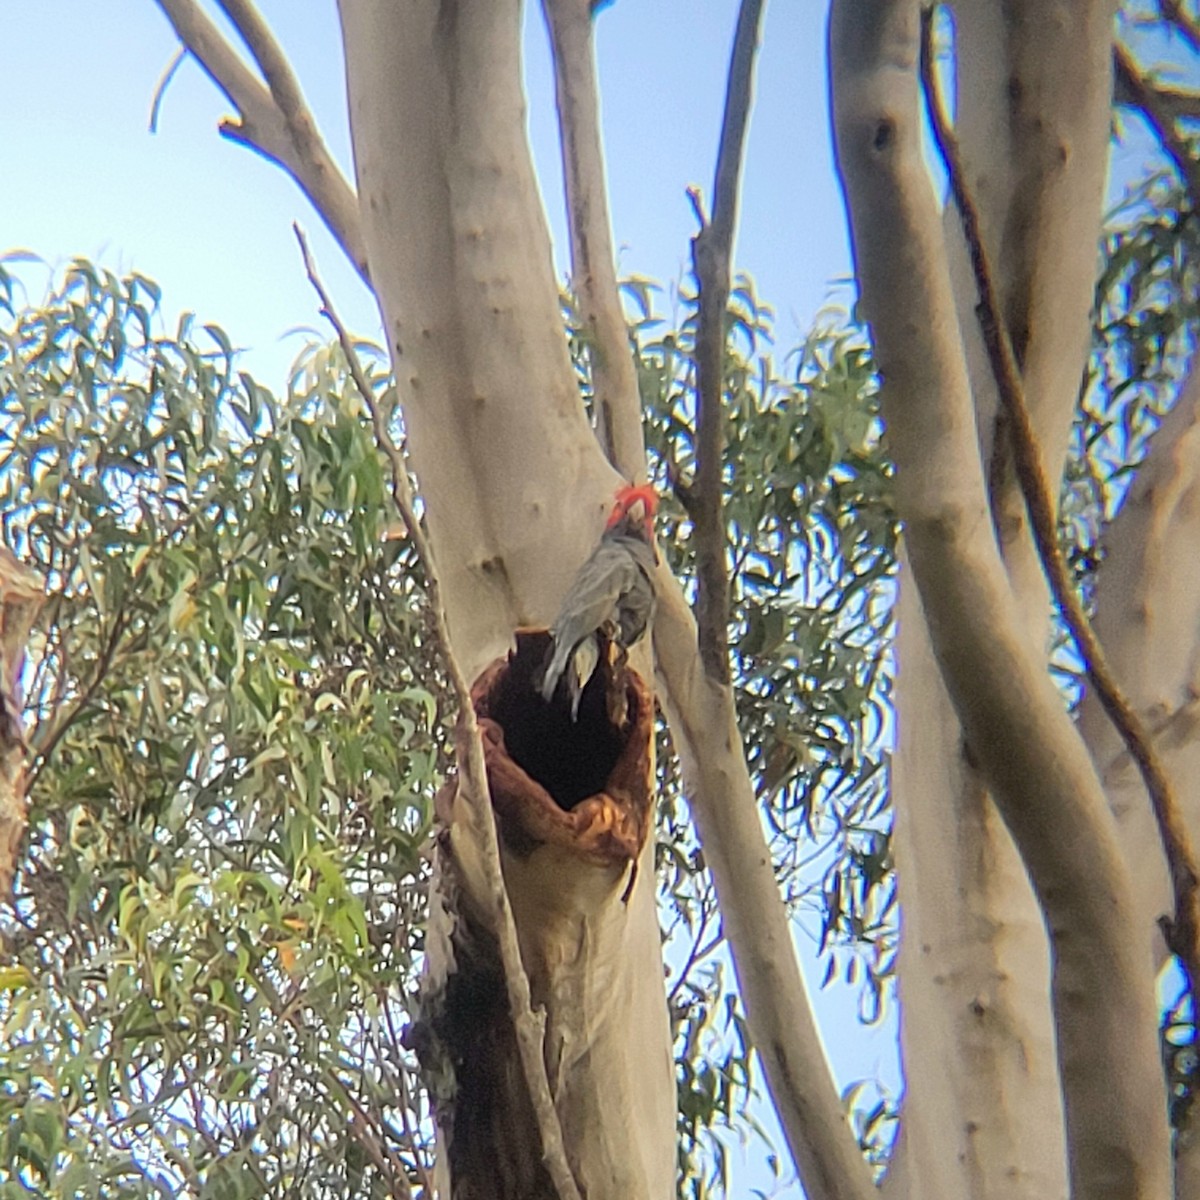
(628, 498)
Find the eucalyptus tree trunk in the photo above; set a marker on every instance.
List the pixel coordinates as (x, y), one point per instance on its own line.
(515, 491)
(1030, 872)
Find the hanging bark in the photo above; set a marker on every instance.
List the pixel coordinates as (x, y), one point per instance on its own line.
(21, 597)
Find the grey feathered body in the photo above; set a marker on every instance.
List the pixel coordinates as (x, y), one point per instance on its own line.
(614, 591)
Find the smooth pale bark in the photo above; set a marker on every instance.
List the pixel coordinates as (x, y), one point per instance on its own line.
(973, 968)
(1018, 733)
(460, 261)
(617, 400)
(1034, 102)
(1187, 1160)
(778, 1013)
(1032, 125)
(1147, 615)
(515, 492)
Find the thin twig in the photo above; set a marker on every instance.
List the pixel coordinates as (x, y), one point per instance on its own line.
(275, 121)
(473, 783)
(1133, 88)
(164, 82)
(1181, 932)
(104, 663)
(712, 253)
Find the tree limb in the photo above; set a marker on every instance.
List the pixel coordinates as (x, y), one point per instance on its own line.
(1160, 110)
(616, 397)
(712, 254)
(473, 781)
(274, 120)
(1188, 27)
(1183, 932)
(754, 920)
(1017, 730)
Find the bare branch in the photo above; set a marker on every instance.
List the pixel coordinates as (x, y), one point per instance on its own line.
(593, 275)
(753, 918)
(473, 782)
(712, 255)
(1019, 735)
(1160, 109)
(274, 121)
(1173, 11)
(1181, 933)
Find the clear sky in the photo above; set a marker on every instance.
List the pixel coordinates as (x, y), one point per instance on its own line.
(211, 222)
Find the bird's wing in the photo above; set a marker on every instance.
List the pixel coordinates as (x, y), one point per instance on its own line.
(592, 596)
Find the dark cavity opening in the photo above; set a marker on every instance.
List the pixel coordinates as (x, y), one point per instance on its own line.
(572, 760)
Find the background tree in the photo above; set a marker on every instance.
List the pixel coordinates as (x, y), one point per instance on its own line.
(239, 696)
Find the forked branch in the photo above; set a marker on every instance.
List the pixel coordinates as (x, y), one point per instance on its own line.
(1187, 25)
(1022, 741)
(1161, 109)
(1183, 931)
(712, 257)
(273, 118)
(473, 781)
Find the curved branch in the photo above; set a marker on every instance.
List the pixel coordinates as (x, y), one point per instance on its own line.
(712, 260)
(275, 121)
(617, 400)
(753, 918)
(1017, 730)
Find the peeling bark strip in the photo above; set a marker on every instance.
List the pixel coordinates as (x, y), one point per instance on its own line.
(712, 262)
(574, 807)
(21, 597)
(478, 825)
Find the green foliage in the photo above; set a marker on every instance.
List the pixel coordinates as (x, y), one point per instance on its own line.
(234, 718)
(1146, 313)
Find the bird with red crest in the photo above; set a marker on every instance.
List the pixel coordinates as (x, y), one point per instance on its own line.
(611, 599)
